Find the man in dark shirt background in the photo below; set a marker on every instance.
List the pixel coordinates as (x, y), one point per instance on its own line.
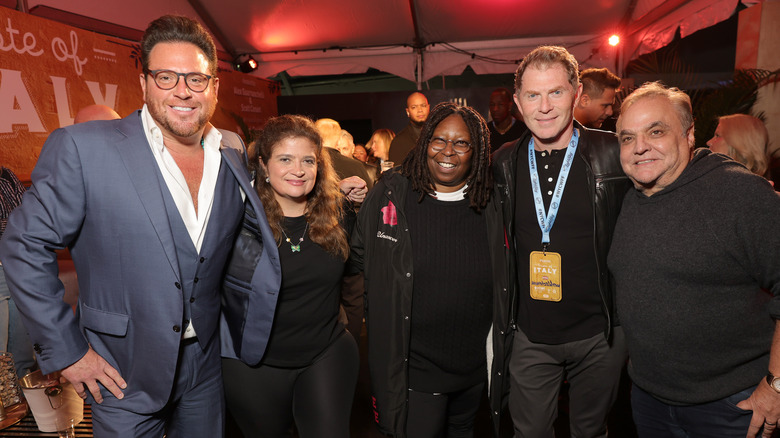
(417, 110)
(503, 128)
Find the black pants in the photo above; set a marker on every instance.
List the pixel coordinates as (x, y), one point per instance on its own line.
(265, 400)
(449, 415)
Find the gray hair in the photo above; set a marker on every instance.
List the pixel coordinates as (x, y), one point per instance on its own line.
(679, 100)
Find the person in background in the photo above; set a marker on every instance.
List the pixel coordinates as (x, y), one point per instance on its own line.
(503, 128)
(599, 86)
(346, 144)
(95, 112)
(13, 335)
(417, 110)
(429, 241)
(561, 186)
(309, 370)
(360, 153)
(379, 146)
(745, 139)
(345, 167)
(364, 157)
(696, 262)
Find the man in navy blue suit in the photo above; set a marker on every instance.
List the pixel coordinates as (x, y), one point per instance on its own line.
(149, 206)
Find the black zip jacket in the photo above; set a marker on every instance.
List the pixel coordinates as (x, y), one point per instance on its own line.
(601, 153)
(382, 249)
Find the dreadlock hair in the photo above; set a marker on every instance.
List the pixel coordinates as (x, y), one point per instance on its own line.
(323, 203)
(479, 178)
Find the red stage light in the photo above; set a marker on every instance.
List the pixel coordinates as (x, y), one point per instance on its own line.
(614, 40)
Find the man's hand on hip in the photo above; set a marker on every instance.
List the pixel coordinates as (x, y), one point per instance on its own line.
(90, 370)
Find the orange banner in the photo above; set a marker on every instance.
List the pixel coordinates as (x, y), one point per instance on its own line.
(48, 71)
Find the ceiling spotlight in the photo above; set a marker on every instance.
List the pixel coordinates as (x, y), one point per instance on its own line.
(614, 40)
(247, 66)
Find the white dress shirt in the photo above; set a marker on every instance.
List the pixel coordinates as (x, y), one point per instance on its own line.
(196, 222)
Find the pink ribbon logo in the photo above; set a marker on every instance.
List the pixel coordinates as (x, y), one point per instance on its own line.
(389, 216)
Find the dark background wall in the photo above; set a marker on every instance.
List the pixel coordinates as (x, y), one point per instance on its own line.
(363, 113)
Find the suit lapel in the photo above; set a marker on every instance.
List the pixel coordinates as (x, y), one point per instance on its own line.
(144, 173)
(237, 166)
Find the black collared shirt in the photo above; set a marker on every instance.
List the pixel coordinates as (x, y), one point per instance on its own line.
(578, 315)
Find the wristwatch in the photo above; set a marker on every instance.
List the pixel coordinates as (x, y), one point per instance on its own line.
(774, 382)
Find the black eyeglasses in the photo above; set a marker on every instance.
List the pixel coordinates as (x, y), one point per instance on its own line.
(459, 146)
(168, 79)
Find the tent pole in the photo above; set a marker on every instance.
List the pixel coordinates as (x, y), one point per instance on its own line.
(419, 69)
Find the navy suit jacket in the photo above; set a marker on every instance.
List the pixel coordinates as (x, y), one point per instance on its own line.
(97, 190)
(252, 280)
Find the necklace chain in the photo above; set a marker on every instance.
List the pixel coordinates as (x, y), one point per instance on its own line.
(296, 248)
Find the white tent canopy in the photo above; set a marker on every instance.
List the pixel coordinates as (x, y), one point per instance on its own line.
(413, 39)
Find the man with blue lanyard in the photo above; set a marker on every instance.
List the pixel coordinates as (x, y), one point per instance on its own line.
(561, 188)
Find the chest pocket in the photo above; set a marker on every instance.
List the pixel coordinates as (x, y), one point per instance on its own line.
(388, 228)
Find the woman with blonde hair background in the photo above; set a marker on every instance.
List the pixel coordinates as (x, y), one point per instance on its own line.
(745, 139)
(379, 143)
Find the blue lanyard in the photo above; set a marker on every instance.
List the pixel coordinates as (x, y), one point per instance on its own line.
(546, 220)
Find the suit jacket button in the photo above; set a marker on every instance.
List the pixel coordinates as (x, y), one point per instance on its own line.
(202, 259)
(37, 348)
(192, 299)
(195, 280)
(178, 286)
(176, 328)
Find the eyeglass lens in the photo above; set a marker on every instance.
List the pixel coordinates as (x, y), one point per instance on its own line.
(459, 146)
(167, 80)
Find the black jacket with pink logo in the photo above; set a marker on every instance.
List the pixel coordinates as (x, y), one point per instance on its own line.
(382, 249)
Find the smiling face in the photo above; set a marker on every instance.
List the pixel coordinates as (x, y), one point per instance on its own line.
(292, 170)
(448, 169)
(180, 112)
(546, 100)
(654, 146)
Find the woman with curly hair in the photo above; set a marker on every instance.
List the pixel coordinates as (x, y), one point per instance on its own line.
(429, 241)
(309, 371)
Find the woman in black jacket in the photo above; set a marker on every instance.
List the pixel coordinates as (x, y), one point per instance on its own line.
(309, 370)
(429, 241)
